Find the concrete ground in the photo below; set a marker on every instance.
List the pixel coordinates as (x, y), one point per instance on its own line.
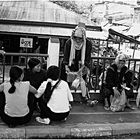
(83, 122)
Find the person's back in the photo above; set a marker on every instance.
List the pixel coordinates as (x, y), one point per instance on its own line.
(60, 98)
(18, 107)
(55, 97)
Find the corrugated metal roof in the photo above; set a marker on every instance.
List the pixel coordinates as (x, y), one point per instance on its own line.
(38, 10)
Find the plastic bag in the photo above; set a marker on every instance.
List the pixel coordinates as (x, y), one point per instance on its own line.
(76, 83)
(118, 102)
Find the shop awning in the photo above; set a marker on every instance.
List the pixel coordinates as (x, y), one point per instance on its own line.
(47, 31)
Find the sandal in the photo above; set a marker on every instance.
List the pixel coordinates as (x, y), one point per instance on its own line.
(44, 120)
(106, 107)
(92, 102)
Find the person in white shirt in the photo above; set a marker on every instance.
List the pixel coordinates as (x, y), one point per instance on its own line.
(55, 97)
(17, 109)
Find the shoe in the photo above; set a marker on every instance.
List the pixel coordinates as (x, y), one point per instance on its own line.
(65, 119)
(130, 107)
(44, 120)
(106, 107)
(92, 102)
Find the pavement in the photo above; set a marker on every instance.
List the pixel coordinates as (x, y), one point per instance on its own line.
(83, 122)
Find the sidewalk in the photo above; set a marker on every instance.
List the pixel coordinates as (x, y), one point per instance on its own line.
(83, 122)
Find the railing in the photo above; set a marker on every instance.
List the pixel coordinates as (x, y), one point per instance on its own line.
(95, 70)
(9, 59)
(98, 64)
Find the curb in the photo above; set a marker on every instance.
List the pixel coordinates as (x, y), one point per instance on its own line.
(71, 131)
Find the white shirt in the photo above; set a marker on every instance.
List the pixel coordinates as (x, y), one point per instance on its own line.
(59, 101)
(16, 103)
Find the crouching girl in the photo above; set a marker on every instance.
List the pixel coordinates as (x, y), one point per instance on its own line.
(16, 107)
(55, 98)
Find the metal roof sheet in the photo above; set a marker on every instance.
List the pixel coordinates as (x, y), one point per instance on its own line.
(39, 10)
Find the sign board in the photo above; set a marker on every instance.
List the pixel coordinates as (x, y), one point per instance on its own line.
(26, 42)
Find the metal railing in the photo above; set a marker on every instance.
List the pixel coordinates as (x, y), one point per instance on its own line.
(98, 64)
(95, 70)
(9, 59)
(21, 59)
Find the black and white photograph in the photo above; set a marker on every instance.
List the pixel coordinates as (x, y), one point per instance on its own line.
(70, 69)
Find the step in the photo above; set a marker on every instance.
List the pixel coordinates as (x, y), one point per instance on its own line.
(94, 94)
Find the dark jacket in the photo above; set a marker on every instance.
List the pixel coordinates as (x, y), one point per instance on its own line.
(35, 78)
(75, 66)
(115, 78)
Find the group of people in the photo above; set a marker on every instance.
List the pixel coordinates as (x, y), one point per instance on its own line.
(33, 88)
(46, 90)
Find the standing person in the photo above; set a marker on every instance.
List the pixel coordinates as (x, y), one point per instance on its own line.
(77, 55)
(55, 98)
(35, 75)
(18, 108)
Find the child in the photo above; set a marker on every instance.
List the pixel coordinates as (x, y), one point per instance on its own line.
(16, 110)
(56, 97)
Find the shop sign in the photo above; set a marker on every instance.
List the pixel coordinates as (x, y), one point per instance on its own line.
(26, 42)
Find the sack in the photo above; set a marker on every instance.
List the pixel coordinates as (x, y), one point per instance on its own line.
(76, 83)
(118, 102)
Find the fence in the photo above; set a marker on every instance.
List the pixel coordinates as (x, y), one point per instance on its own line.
(9, 59)
(97, 66)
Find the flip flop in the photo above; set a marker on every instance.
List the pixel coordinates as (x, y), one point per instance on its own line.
(106, 107)
(44, 120)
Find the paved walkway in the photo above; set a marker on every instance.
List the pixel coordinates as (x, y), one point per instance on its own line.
(83, 122)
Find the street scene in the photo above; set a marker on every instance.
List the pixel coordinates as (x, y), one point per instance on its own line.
(70, 69)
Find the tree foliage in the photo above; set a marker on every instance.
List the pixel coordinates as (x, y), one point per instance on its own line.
(71, 5)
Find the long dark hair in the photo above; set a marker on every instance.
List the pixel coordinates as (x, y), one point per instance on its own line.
(52, 73)
(15, 73)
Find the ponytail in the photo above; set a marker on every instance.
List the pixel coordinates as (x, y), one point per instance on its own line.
(15, 74)
(48, 91)
(13, 88)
